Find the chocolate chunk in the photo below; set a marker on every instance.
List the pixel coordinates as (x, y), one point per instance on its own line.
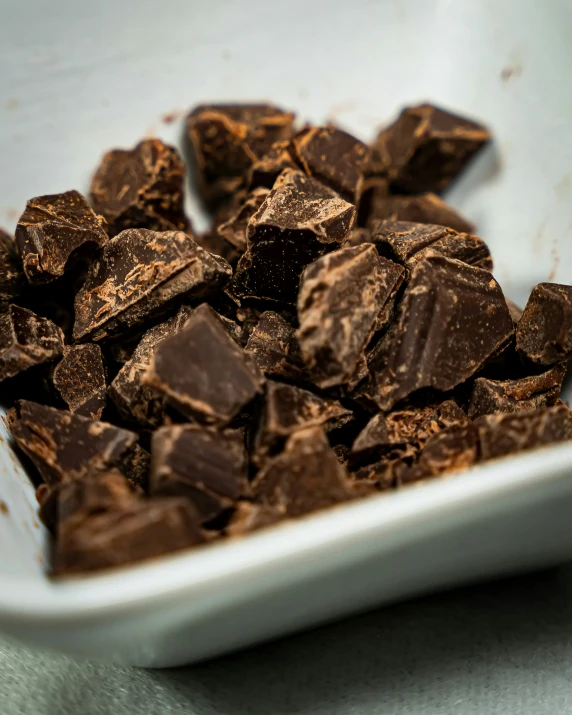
(453, 319)
(409, 243)
(288, 409)
(427, 147)
(135, 399)
(357, 236)
(299, 221)
(125, 535)
(214, 243)
(275, 349)
(251, 517)
(79, 378)
(425, 208)
(343, 300)
(334, 157)
(544, 332)
(12, 278)
(141, 188)
(63, 445)
(514, 310)
(140, 274)
(26, 340)
(228, 139)
(523, 395)
(506, 433)
(234, 230)
(306, 476)
(51, 229)
(452, 449)
(203, 372)
(136, 466)
(375, 190)
(268, 168)
(201, 464)
(384, 474)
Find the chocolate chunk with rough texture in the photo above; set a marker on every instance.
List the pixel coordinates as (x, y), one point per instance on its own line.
(226, 141)
(135, 399)
(54, 229)
(425, 208)
(139, 275)
(343, 300)
(201, 464)
(275, 349)
(300, 220)
(136, 466)
(409, 243)
(79, 378)
(141, 188)
(306, 476)
(453, 318)
(452, 449)
(427, 147)
(288, 409)
(65, 446)
(268, 168)
(251, 517)
(384, 474)
(234, 230)
(12, 278)
(26, 340)
(334, 157)
(523, 395)
(122, 536)
(544, 332)
(202, 371)
(506, 433)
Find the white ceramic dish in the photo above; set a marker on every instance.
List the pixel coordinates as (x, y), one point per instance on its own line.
(84, 77)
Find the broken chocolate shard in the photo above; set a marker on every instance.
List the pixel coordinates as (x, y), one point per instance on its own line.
(544, 331)
(383, 474)
(502, 434)
(54, 229)
(234, 230)
(141, 188)
(206, 466)
(453, 319)
(12, 278)
(427, 147)
(141, 274)
(79, 378)
(521, 395)
(299, 221)
(136, 466)
(408, 243)
(342, 302)
(274, 348)
(425, 208)
(63, 445)
(250, 517)
(26, 340)
(268, 168)
(202, 371)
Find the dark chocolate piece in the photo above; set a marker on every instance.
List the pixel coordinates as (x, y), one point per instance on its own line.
(203, 372)
(275, 349)
(427, 147)
(523, 395)
(384, 474)
(141, 188)
(425, 208)
(141, 274)
(306, 476)
(375, 190)
(234, 230)
(54, 227)
(357, 237)
(12, 278)
(26, 340)
(136, 466)
(65, 446)
(544, 332)
(344, 298)
(453, 319)
(135, 399)
(452, 449)
(506, 433)
(300, 220)
(227, 140)
(409, 243)
(514, 310)
(201, 464)
(251, 517)
(79, 378)
(268, 168)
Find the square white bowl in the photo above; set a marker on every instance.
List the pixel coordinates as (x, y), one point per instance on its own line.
(81, 78)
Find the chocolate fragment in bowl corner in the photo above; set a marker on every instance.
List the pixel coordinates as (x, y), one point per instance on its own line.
(80, 380)
(12, 277)
(427, 147)
(344, 297)
(203, 372)
(141, 187)
(299, 221)
(268, 167)
(53, 231)
(425, 208)
(249, 517)
(140, 275)
(227, 139)
(384, 474)
(234, 229)
(63, 445)
(544, 331)
(275, 349)
(26, 340)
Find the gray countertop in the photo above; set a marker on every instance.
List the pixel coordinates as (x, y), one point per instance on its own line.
(496, 648)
